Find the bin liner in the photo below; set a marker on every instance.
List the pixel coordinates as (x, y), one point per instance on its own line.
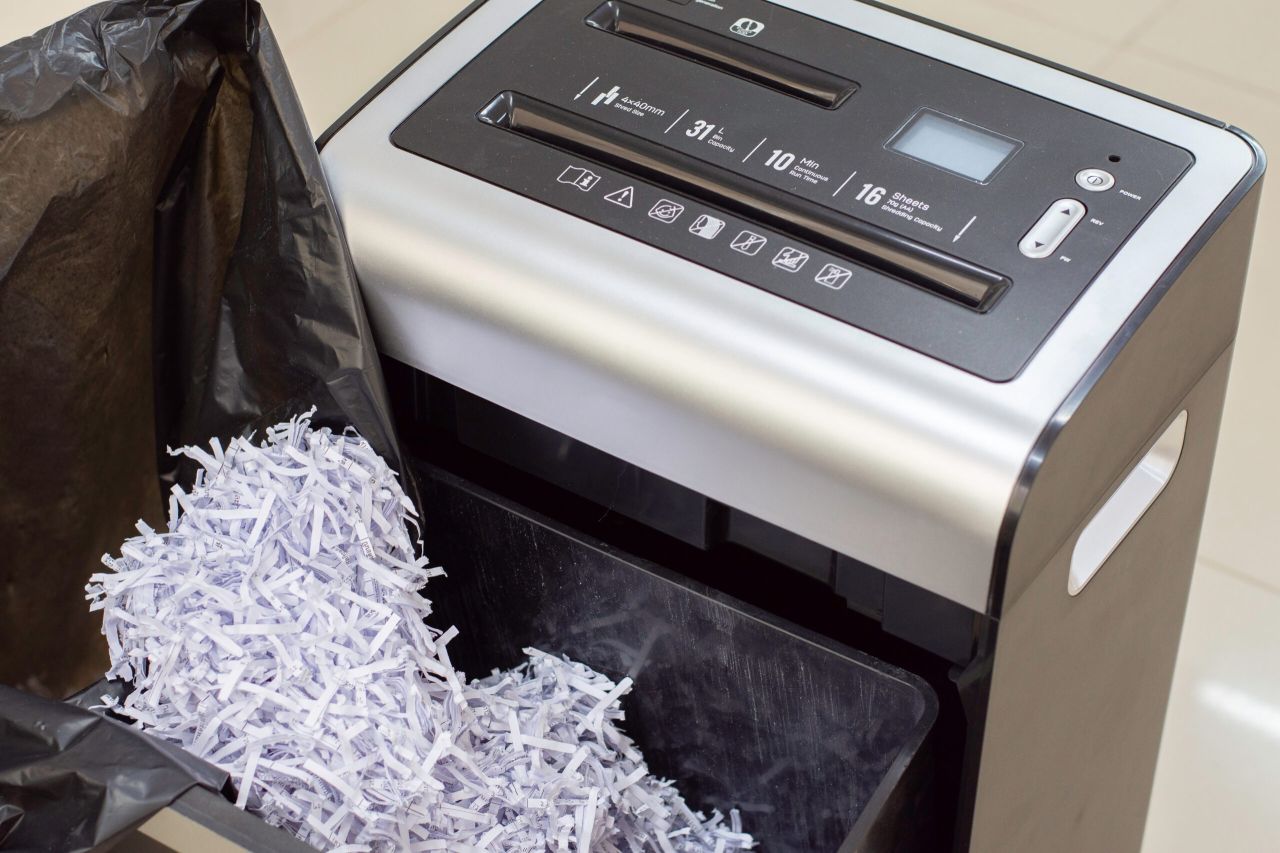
(70, 778)
(171, 268)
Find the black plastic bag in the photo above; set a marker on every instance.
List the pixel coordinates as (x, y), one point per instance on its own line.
(71, 779)
(171, 268)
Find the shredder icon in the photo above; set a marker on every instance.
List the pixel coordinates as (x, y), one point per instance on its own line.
(790, 259)
(666, 211)
(583, 179)
(833, 276)
(748, 243)
(707, 227)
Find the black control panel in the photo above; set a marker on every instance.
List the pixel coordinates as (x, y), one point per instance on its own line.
(919, 201)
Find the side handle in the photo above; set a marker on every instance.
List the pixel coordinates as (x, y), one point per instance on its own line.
(1126, 506)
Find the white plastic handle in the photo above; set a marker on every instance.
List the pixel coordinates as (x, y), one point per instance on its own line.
(1126, 506)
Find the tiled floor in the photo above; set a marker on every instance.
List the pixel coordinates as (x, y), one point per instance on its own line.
(1220, 763)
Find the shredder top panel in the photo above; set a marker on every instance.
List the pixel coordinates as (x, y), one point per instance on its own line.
(824, 263)
(895, 199)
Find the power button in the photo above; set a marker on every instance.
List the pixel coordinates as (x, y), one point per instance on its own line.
(1095, 180)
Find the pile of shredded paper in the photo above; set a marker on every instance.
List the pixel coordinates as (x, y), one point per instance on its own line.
(277, 631)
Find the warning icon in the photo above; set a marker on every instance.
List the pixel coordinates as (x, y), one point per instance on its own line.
(622, 198)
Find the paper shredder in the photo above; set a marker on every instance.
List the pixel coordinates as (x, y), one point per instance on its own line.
(908, 339)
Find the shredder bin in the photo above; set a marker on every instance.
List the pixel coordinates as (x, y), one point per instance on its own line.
(818, 745)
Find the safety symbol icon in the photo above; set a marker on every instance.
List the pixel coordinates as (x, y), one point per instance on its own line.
(624, 197)
(790, 259)
(748, 243)
(666, 211)
(833, 276)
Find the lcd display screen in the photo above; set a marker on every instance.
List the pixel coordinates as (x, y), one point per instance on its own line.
(956, 146)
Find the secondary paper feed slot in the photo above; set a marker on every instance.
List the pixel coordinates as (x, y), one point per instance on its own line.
(868, 245)
(723, 53)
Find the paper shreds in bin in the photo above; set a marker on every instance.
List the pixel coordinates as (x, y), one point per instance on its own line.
(276, 630)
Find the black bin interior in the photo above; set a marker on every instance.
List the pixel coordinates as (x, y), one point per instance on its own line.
(818, 745)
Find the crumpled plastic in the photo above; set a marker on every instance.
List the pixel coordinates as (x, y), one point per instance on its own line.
(58, 757)
(171, 268)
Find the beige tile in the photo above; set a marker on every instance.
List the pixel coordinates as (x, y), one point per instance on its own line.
(1019, 29)
(1101, 20)
(1178, 83)
(296, 22)
(1233, 42)
(337, 50)
(1219, 766)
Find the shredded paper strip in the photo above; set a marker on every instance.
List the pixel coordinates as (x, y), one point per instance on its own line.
(277, 631)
